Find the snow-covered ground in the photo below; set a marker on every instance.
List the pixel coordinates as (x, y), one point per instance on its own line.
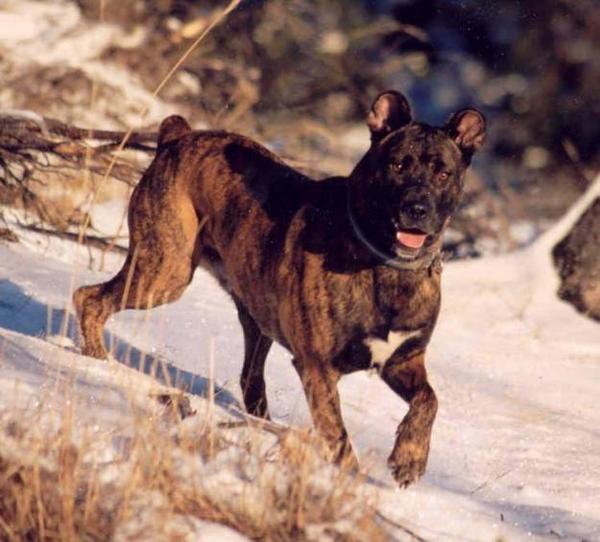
(516, 445)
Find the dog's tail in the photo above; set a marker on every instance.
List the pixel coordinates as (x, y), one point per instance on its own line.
(172, 128)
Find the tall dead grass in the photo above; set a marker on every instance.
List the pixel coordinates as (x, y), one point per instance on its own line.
(63, 482)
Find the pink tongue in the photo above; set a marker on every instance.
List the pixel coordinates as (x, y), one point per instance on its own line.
(411, 240)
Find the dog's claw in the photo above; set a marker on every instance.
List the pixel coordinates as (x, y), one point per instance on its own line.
(407, 472)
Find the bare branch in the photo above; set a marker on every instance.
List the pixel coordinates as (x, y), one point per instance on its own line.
(32, 147)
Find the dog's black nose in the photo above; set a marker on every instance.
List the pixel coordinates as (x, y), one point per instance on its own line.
(417, 210)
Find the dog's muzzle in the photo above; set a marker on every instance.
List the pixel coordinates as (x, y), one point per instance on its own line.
(416, 211)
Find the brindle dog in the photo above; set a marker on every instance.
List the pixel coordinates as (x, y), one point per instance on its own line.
(343, 272)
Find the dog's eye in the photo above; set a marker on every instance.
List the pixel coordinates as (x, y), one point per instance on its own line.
(396, 166)
(443, 176)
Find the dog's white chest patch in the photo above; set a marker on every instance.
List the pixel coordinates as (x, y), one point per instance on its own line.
(382, 350)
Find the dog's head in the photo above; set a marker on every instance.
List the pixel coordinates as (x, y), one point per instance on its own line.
(405, 189)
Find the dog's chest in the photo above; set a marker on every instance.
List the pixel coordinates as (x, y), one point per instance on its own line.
(392, 319)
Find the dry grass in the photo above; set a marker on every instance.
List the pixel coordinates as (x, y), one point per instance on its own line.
(56, 482)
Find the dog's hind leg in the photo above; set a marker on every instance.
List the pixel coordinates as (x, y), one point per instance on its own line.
(408, 378)
(320, 388)
(256, 348)
(157, 269)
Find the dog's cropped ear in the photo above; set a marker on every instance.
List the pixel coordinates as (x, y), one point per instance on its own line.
(389, 111)
(467, 128)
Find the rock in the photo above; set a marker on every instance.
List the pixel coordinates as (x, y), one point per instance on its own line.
(577, 259)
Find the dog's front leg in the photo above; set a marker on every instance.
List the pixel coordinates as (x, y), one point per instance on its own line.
(320, 387)
(408, 378)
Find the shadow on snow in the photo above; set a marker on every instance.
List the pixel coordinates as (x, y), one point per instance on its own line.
(24, 314)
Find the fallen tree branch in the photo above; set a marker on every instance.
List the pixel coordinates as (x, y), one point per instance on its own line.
(23, 121)
(32, 147)
(31, 144)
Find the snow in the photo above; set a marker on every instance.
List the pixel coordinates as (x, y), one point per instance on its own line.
(142, 525)
(516, 445)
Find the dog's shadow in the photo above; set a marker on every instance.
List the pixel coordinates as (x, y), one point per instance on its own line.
(26, 315)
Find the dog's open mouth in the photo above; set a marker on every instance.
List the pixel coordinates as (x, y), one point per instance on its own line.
(409, 241)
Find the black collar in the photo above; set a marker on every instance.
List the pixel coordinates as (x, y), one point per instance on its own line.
(430, 260)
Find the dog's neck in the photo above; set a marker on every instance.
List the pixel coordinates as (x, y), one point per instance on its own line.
(428, 261)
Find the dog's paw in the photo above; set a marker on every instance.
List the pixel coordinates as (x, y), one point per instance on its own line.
(95, 351)
(407, 470)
